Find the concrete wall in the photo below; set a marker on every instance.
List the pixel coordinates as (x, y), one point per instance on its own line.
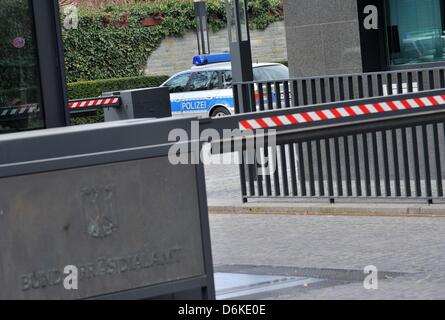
(322, 37)
(175, 53)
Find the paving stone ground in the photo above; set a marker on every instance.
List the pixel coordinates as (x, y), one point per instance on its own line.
(413, 246)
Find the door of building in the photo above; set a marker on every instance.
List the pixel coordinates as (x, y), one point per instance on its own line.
(32, 81)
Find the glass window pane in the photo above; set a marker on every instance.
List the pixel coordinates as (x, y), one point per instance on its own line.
(20, 100)
(232, 20)
(415, 31)
(243, 20)
(202, 81)
(227, 79)
(178, 83)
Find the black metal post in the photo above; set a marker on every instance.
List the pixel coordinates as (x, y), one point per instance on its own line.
(51, 62)
(202, 31)
(240, 49)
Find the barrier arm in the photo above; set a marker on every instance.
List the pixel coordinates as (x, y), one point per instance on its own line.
(331, 118)
(92, 104)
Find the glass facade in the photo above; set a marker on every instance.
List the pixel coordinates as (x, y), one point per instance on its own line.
(20, 94)
(415, 31)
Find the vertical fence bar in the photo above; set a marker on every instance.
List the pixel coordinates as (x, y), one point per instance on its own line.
(341, 88)
(293, 172)
(438, 160)
(358, 180)
(253, 106)
(375, 155)
(379, 85)
(236, 98)
(269, 162)
(261, 96)
(301, 170)
(329, 169)
(410, 82)
(389, 84)
(426, 159)
(295, 95)
(395, 152)
(276, 176)
(366, 165)
(399, 83)
(286, 94)
(332, 90)
(283, 162)
(386, 164)
(416, 162)
(321, 190)
(347, 167)
(243, 176)
(442, 78)
(370, 86)
(269, 96)
(323, 90)
(361, 93)
(406, 174)
(311, 169)
(351, 88)
(278, 94)
(305, 92)
(338, 166)
(420, 81)
(314, 99)
(431, 83)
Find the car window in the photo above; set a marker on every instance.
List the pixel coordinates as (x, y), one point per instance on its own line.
(178, 83)
(271, 73)
(214, 81)
(204, 80)
(227, 79)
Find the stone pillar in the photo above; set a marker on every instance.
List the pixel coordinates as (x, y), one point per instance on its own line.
(322, 37)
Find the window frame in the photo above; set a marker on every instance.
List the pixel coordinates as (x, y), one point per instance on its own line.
(50, 58)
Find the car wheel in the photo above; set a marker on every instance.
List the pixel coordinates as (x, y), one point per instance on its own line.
(220, 112)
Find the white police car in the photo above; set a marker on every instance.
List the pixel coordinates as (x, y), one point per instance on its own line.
(206, 89)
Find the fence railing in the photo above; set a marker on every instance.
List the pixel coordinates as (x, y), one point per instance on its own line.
(286, 93)
(396, 162)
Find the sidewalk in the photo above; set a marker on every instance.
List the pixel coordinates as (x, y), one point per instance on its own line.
(289, 208)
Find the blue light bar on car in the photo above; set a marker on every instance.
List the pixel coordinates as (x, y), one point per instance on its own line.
(204, 59)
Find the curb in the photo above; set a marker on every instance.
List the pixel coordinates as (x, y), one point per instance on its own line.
(334, 210)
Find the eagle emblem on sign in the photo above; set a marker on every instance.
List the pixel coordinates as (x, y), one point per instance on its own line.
(99, 210)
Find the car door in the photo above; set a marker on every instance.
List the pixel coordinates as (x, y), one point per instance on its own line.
(178, 86)
(201, 91)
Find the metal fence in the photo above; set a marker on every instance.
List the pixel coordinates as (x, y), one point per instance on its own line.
(397, 162)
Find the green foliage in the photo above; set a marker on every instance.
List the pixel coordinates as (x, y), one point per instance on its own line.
(285, 63)
(91, 89)
(112, 42)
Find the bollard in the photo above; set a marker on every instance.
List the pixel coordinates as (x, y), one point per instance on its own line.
(140, 103)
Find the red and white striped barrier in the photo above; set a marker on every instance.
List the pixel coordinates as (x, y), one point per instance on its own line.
(103, 102)
(19, 110)
(343, 112)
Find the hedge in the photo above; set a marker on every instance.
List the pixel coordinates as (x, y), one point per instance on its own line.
(91, 89)
(113, 42)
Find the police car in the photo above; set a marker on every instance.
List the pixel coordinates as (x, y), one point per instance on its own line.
(206, 89)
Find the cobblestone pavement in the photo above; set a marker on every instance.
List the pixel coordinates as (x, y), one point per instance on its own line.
(413, 246)
(223, 182)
